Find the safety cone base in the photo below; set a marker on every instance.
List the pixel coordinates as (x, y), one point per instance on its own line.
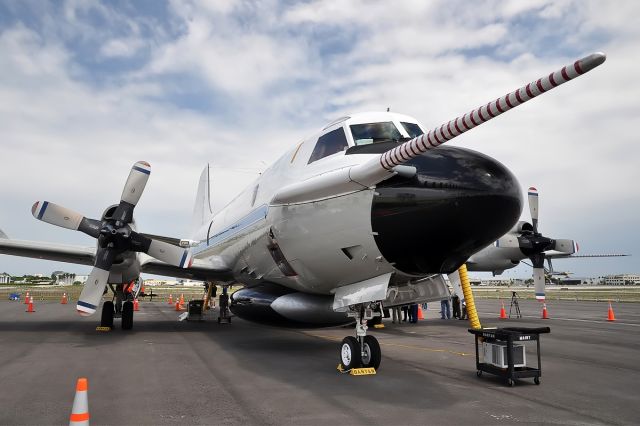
(610, 315)
(545, 313)
(503, 312)
(80, 410)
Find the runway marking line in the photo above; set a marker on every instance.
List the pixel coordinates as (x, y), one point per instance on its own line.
(397, 345)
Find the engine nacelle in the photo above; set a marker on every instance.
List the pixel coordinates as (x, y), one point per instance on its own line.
(522, 227)
(276, 305)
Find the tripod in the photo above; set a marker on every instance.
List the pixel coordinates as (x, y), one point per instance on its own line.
(514, 305)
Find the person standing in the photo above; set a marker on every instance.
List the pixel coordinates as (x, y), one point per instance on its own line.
(395, 314)
(413, 313)
(463, 311)
(445, 310)
(455, 302)
(405, 311)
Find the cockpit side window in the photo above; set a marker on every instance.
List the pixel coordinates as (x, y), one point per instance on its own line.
(329, 143)
(368, 133)
(412, 129)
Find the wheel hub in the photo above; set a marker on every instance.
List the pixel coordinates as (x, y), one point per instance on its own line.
(366, 354)
(346, 354)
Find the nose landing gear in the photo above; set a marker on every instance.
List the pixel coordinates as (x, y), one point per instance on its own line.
(362, 350)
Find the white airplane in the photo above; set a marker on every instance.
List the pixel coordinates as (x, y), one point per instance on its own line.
(370, 210)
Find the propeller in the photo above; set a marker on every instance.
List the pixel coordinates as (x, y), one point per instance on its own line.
(114, 235)
(534, 245)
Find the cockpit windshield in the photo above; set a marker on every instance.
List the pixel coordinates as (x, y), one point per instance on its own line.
(412, 129)
(364, 134)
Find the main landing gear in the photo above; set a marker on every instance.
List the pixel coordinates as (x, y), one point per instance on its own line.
(362, 350)
(122, 308)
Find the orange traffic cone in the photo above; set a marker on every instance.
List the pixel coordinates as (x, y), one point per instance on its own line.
(170, 299)
(610, 315)
(420, 314)
(30, 305)
(64, 299)
(80, 410)
(26, 299)
(181, 299)
(178, 307)
(545, 314)
(136, 306)
(503, 313)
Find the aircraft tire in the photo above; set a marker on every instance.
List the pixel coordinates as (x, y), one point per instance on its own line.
(373, 351)
(350, 353)
(106, 320)
(127, 315)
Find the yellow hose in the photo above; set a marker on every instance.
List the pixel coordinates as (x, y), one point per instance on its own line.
(207, 297)
(468, 297)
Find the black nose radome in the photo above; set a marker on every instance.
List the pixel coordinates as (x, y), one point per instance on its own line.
(458, 202)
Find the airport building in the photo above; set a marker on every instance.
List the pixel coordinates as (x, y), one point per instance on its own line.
(579, 281)
(5, 278)
(63, 278)
(622, 279)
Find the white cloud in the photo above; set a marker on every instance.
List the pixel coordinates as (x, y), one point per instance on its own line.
(71, 139)
(121, 48)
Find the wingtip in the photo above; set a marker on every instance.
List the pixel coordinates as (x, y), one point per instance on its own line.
(34, 208)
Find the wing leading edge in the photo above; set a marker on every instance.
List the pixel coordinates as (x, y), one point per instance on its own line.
(210, 269)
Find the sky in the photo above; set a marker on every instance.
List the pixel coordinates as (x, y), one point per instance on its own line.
(88, 88)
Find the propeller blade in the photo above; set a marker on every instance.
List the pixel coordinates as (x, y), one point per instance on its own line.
(538, 282)
(94, 287)
(565, 246)
(168, 253)
(65, 218)
(533, 208)
(133, 189)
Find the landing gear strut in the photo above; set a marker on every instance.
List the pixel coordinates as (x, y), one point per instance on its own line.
(362, 350)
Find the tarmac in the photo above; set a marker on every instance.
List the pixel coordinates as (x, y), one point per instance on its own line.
(170, 372)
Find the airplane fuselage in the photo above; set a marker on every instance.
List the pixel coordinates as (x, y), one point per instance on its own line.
(431, 221)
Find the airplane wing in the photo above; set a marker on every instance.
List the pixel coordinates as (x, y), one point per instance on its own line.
(48, 251)
(559, 255)
(212, 268)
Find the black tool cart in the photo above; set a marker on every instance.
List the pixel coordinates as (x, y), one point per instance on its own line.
(504, 352)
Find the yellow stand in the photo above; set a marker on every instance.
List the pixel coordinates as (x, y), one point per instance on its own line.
(474, 320)
(208, 297)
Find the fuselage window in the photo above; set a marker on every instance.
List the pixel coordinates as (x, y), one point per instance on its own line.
(329, 143)
(412, 129)
(368, 133)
